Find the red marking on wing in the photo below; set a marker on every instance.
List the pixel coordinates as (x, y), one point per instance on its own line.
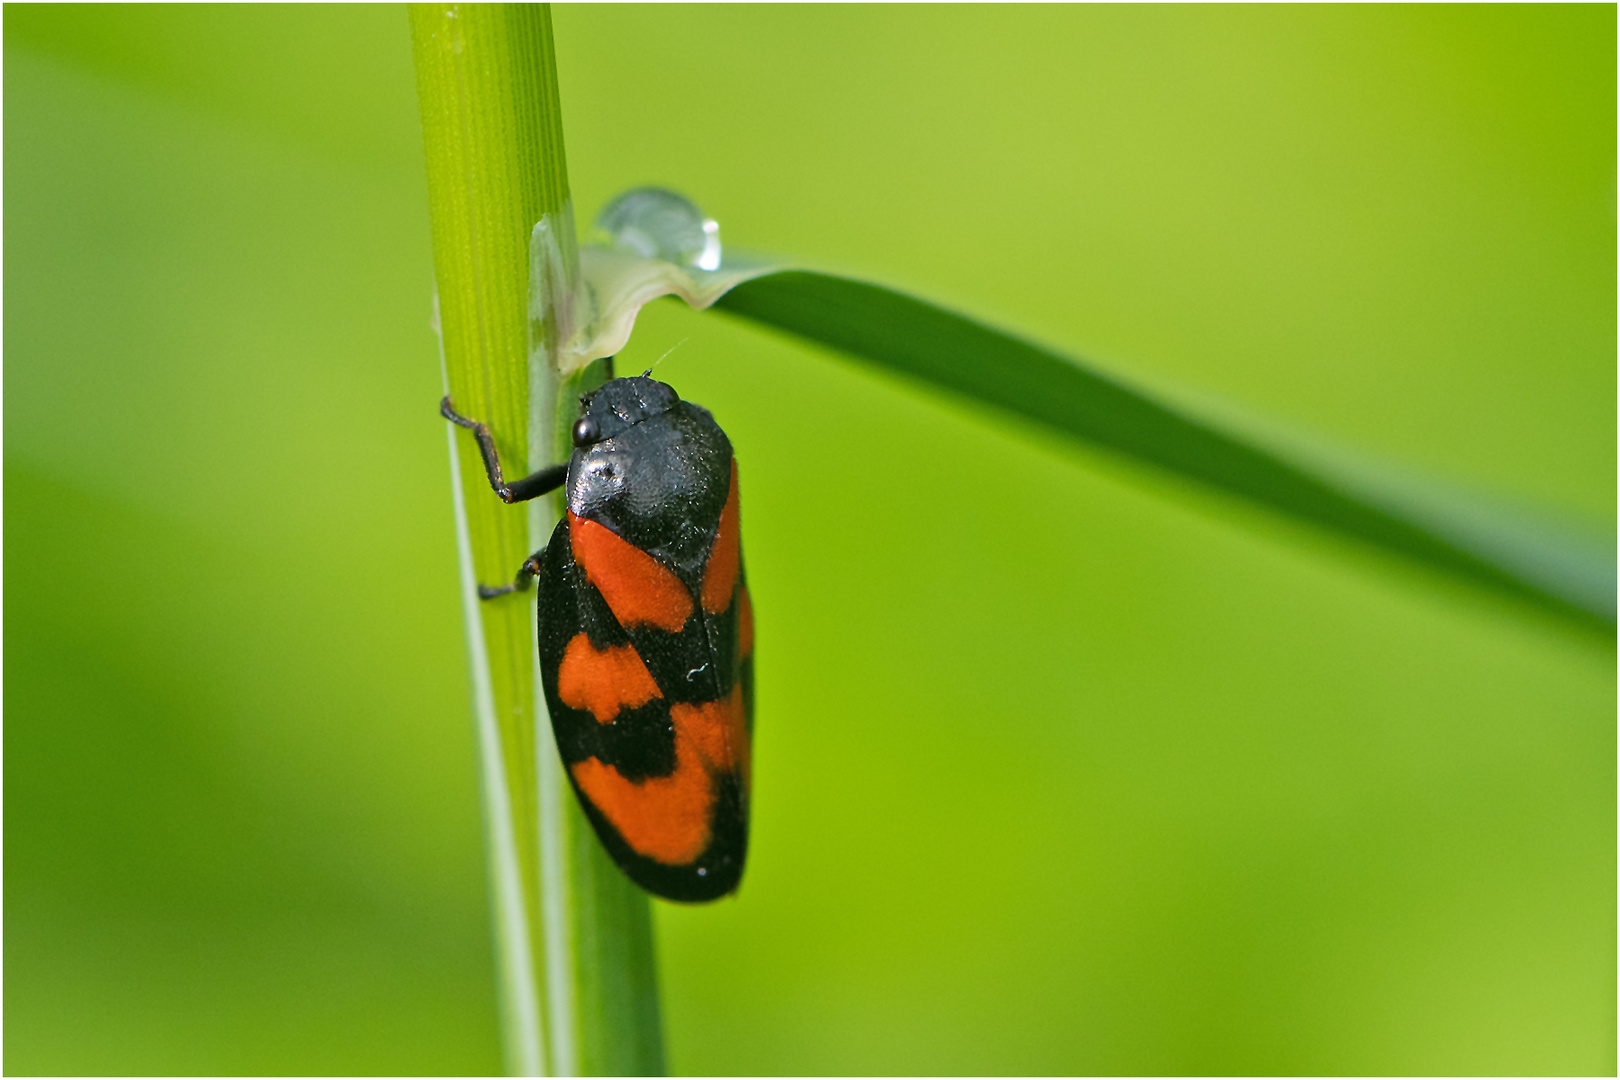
(720, 575)
(603, 680)
(669, 818)
(664, 818)
(716, 728)
(640, 591)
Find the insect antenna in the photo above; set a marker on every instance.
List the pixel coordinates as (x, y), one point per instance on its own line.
(667, 351)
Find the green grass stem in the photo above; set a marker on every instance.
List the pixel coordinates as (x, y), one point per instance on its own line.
(574, 939)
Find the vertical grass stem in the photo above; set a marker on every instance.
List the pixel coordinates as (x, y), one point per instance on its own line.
(573, 936)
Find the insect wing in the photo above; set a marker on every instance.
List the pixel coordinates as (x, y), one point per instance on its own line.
(650, 689)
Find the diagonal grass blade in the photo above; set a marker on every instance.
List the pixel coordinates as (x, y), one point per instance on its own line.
(966, 357)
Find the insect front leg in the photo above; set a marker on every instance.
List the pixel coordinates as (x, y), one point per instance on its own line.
(538, 483)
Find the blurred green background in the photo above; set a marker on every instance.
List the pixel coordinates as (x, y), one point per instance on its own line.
(1062, 766)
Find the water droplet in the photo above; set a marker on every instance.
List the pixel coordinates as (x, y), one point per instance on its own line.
(659, 224)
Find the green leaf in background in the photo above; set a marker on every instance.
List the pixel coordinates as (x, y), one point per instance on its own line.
(996, 368)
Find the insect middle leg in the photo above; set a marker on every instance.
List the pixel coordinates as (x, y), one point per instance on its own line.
(526, 573)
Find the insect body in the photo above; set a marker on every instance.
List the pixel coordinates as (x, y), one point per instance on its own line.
(646, 634)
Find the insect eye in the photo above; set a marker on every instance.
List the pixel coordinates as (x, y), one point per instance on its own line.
(586, 431)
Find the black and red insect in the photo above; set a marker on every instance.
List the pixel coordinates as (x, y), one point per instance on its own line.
(646, 633)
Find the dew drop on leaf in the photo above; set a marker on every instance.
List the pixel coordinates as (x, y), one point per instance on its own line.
(659, 224)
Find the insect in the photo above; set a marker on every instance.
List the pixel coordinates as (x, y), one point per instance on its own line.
(646, 633)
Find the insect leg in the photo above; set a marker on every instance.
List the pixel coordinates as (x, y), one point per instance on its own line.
(532, 486)
(526, 573)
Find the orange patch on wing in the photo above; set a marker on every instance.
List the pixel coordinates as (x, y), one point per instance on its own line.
(668, 818)
(664, 817)
(746, 630)
(716, 729)
(603, 680)
(640, 591)
(720, 575)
